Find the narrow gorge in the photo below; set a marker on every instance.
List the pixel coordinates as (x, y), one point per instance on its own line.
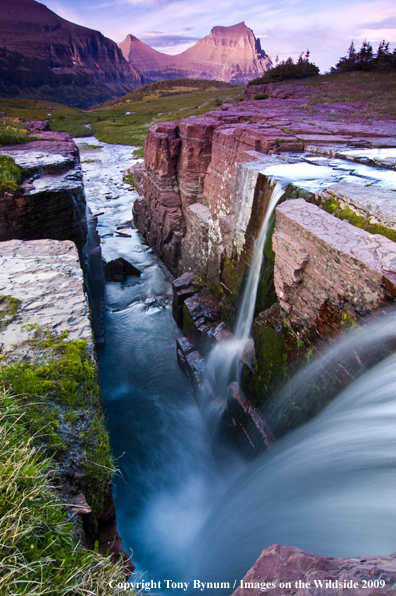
(247, 437)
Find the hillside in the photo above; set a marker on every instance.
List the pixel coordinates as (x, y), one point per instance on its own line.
(47, 57)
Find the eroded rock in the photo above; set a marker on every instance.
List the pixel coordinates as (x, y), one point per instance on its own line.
(325, 267)
(290, 564)
(51, 202)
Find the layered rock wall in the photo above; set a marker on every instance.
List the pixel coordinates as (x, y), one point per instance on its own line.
(325, 266)
(51, 201)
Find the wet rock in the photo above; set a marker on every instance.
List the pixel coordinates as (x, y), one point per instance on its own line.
(194, 368)
(290, 564)
(110, 542)
(119, 269)
(183, 287)
(91, 261)
(201, 317)
(254, 417)
(183, 348)
(326, 269)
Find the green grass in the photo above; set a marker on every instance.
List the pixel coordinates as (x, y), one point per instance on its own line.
(10, 175)
(376, 91)
(38, 554)
(12, 132)
(108, 121)
(63, 381)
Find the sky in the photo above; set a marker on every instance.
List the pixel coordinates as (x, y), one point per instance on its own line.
(285, 27)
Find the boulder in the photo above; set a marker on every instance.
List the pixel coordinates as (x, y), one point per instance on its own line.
(119, 269)
(307, 574)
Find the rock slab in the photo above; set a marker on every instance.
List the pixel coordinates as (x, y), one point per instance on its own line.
(45, 275)
(324, 264)
(290, 564)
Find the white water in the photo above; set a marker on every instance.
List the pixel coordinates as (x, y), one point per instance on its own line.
(328, 487)
(227, 355)
(246, 310)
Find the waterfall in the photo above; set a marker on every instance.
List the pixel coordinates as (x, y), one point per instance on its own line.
(226, 355)
(246, 310)
(328, 487)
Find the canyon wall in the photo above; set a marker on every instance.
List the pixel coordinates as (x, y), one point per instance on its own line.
(46, 333)
(329, 264)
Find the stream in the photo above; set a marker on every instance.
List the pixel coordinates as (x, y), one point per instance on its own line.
(328, 487)
(168, 478)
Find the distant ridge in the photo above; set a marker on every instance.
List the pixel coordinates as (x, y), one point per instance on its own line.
(47, 57)
(230, 54)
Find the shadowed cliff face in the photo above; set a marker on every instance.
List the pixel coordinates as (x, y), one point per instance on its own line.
(230, 54)
(89, 59)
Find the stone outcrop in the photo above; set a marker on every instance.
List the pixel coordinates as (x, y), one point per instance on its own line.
(205, 186)
(46, 57)
(158, 213)
(326, 268)
(42, 301)
(230, 54)
(376, 206)
(308, 574)
(46, 277)
(51, 202)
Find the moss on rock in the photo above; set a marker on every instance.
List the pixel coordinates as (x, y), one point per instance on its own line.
(59, 380)
(331, 205)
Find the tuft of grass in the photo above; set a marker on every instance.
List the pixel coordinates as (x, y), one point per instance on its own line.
(8, 309)
(12, 132)
(10, 175)
(39, 556)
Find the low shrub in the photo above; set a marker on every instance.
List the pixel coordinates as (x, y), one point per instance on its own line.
(12, 132)
(261, 96)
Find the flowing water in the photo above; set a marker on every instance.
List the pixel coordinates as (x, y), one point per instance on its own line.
(226, 355)
(168, 478)
(328, 487)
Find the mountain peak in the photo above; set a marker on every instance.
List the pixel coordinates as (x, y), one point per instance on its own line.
(230, 54)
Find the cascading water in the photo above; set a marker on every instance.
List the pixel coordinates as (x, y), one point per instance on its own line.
(227, 354)
(328, 487)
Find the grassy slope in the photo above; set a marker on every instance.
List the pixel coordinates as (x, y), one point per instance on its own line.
(108, 121)
(376, 90)
(171, 100)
